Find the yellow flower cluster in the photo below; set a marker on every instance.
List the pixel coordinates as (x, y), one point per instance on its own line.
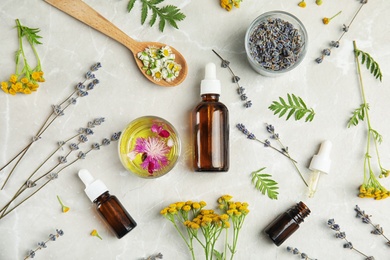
(182, 207)
(233, 208)
(228, 4)
(207, 218)
(25, 85)
(378, 193)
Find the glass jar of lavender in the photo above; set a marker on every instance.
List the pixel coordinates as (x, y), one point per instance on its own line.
(275, 43)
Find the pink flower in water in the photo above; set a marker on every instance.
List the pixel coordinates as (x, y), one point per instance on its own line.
(160, 131)
(154, 153)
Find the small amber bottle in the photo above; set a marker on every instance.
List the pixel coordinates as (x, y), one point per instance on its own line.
(210, 123)
(287, 223)
(108, 206)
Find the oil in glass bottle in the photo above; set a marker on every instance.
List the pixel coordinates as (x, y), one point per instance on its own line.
(108, 206)
(210, 122)
(287, 223)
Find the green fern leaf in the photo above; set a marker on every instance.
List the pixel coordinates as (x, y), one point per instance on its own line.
(130, 5)
(357, 114)
(144, 12)
(265, 184)
(371, 65)
(294, 106)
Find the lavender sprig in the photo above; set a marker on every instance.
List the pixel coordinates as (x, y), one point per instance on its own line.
(275, 136)
(266, 142)
(348, 245)
(54, 175)
(57, 111)
(43, 244)
(235, 79)
(302, 255)
(378, 230)
(336, 44)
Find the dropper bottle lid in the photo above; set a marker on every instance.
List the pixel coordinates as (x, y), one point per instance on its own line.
(320, 163)
(210, 84)
(93, 188)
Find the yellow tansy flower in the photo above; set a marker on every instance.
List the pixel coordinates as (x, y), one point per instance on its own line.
(13, 78)
(96, 234)
(64, 208)
(302, 4)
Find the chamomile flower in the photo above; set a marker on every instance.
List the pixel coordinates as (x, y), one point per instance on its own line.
(166, 51)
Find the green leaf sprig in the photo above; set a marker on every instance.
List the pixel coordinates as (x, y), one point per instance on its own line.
(294, 106)
(265, 184)
(167, 14)
(371, 64)
(371, 187)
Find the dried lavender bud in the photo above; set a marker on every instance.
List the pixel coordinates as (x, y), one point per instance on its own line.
(335, 44)
(52, 176)
(319, 60)
(345, 28)
(81, 155)
(115, 136)
(106, 142)
(348, 245)
(225, 63)
(89, 75)
(60, 232)
(326, 52)
(340, 235)
(60, 143)
(378, 230)
(73, 146)
(90, 86)
(52, 237)
(270, 129)
(80, 86)
(331, 222)
(95, 146)
(240, 90)
(31, 254)
(243, 97)
(295, 251)
(62, 159)
(98, 121)
(267, 143)
(81, 93)
(248, 104)
(95, 81)
(251, 136)
(57, 110)
(42, 245)
(30, 184)
(96, 66)
(72, 101)
(235, 79)
(83, 138)
(88, 131)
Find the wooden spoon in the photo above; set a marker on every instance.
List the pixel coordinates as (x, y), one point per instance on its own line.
(84, 13)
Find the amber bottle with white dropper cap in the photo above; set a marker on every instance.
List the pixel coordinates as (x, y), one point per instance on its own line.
(108, 206)
(210, 126)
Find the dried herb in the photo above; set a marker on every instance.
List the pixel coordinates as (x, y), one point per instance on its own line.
(348, 244)
(235, 79)
(265, 184)
(43, 244)
(371, 187)
(26, 78)
(167, 14)
(294, 106)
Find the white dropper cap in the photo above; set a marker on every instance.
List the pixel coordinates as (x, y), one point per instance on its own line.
(93, 188)
(322, 162)
(210, 84)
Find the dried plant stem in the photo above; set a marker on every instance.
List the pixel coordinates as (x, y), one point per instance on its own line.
(279, 151)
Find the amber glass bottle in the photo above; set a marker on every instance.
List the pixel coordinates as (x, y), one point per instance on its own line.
(287, 223)
(210, 122)
(108, 206)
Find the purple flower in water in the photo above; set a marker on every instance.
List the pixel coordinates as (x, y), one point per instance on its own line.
(154, 153)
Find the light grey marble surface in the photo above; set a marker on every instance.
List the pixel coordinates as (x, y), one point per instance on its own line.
(70, 47)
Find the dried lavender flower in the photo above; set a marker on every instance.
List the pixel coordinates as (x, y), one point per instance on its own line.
(348, 244)
(378, 230)
(154, 257)
(302, 255)
(345, 28)
(235, 79)
(43, 244)
(96, 66)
